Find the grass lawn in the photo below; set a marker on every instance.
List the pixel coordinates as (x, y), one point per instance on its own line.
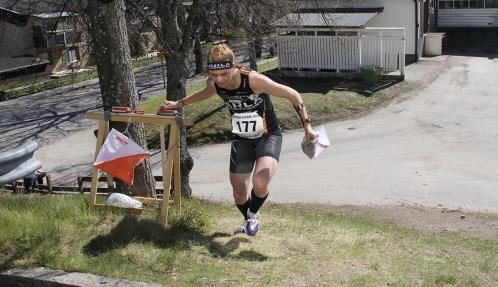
(297, 246)
(324, 102)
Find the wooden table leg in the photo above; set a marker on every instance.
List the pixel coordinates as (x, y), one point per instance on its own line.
(177, 172)
(102, 134)
(167, 166)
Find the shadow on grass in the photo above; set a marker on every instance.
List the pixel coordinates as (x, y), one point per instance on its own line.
(325, 85)
(130, 229)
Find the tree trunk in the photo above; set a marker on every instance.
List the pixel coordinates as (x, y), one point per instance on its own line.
(116, 78)
(252, 55)
(177, 64)
(177, 34)
(199, 64)
(259, 46)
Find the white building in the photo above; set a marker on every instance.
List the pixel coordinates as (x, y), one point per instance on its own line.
(338, 36)
(468, 21)
(467, 14)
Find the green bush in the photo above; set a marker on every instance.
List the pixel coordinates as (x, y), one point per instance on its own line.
(371, 75)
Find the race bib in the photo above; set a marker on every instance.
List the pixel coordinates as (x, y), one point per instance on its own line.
(247, 125)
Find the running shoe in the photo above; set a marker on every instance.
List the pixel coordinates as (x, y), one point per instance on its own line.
(241, 229)
(252, 226)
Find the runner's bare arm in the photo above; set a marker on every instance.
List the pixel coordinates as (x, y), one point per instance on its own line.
(262, 84)
(203, 94)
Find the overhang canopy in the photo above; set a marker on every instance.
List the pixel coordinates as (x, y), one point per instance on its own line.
(316, 18)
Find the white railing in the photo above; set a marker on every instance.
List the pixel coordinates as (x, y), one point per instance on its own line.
(344, 53)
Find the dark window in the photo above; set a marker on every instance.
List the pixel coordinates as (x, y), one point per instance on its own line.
(491, 3)
(291, 33)
(60, 39)
(38, 37)
(461, 4)
(347, 33)
(51, 40)
(476, 4)
(306, 33)
(446, 4)
(73, 37)
(326, 33)
(63, 38)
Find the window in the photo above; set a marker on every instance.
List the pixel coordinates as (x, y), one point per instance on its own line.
(69, 57)
(347, 33)
(478, 4)
(73, 37)
(38, 37)
(60, 38)
(491, 3)
(468, 4)
(325, 33)
(446, 4)
(289, 33)
(55, 39)
(460, 4)
(306, 33)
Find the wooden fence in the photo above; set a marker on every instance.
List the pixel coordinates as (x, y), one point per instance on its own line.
(342, 53)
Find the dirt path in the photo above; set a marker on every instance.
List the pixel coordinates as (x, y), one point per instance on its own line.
(434, 220)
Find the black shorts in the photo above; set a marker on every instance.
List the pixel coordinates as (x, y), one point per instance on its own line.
(245, 152)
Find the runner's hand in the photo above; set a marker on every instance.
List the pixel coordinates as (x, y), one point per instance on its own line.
(310, 134)
(171, 105)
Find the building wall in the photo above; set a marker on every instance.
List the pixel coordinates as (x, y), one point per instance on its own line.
(468, 18)
(397, 13)
(16, 40)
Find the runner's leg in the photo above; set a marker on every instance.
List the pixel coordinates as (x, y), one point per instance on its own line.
(242, 157)
(267, 156)
(240, 187)
(264, 170)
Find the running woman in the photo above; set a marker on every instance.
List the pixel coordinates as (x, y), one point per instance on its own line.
(257, 139)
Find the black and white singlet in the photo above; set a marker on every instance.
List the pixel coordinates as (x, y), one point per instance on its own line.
(242, 102)
(254, 124)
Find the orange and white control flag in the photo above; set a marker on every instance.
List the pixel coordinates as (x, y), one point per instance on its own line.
(119, 155)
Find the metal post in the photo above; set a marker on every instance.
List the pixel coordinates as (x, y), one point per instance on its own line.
(402, 68)
(381, 49)
(359, 51)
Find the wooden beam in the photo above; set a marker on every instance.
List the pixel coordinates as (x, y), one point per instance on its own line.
(102, 134)
(178, 179)
(140, 118)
